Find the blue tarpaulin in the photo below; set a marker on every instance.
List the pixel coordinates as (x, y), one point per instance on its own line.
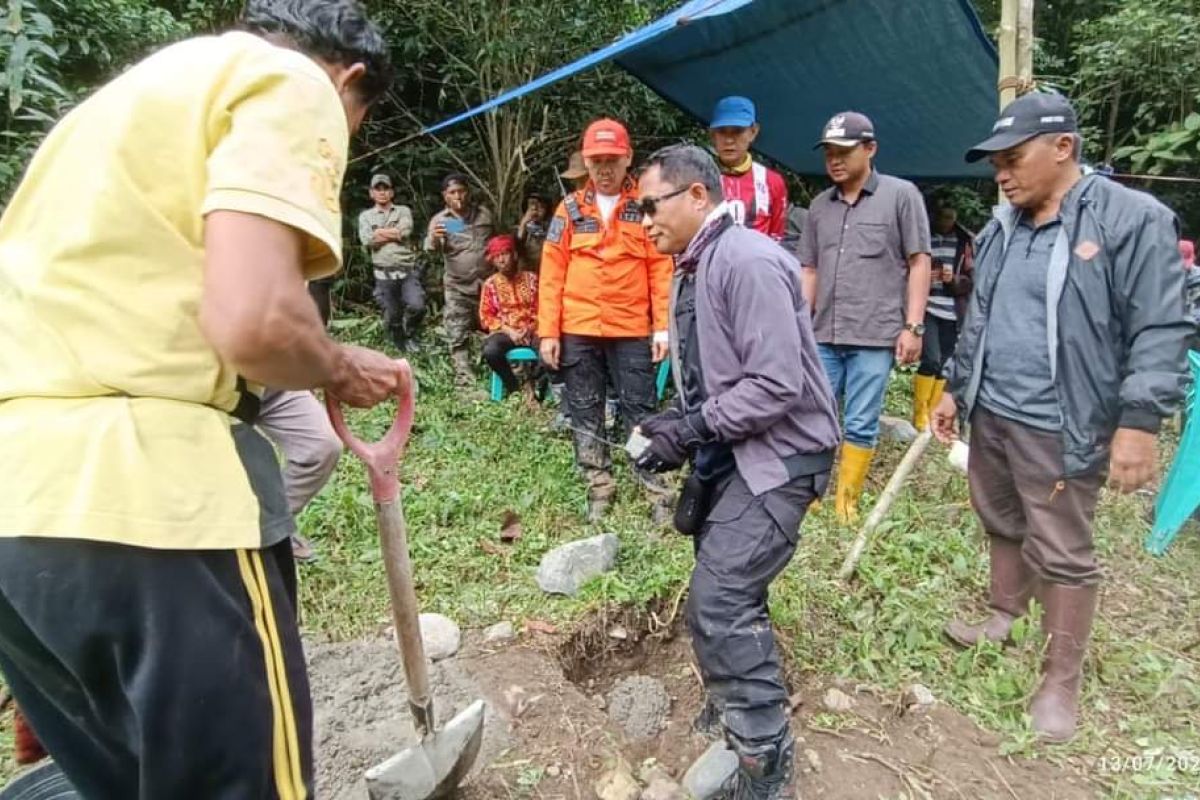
(923, 70)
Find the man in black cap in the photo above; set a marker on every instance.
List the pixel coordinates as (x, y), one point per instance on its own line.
(460, 233)
(1072, 352)
(865, 256)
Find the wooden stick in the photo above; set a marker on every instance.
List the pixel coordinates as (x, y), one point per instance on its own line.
(890, 493)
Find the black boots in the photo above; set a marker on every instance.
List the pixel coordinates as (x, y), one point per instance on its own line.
(765, 770)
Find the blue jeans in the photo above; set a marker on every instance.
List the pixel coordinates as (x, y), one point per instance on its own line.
(859, 375)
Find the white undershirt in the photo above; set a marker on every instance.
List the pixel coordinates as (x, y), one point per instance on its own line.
(607, 203)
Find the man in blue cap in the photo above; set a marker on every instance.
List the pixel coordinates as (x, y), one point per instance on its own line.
(756, 194)
(1072, 354)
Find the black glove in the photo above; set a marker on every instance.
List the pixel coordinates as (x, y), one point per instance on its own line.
(672, 436)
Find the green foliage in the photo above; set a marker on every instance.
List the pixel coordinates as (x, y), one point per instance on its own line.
(54, 52)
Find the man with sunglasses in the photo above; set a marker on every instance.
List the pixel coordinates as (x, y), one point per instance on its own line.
(757, 419)
(865, 256)
(602, 308)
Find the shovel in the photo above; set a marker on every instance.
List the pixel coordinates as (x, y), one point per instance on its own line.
(434, 767)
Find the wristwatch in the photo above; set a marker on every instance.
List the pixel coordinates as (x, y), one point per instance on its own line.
(915, 328)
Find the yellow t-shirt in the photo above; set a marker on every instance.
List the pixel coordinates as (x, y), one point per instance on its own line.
(110, 396)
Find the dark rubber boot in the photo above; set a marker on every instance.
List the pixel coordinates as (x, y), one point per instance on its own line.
(1067, 623)
(1012, 585)
(765, 771)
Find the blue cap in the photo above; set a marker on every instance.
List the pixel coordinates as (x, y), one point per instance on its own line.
(733, 112)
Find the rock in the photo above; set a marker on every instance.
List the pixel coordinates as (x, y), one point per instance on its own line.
(564, 569)
(896, 429)
(918, 698)
(663, 789)
(837, 701)
(500, 633)
(640, 705)
(618, 783)
(813, 759)
(440, 635)
(704, 777)
(554, 770)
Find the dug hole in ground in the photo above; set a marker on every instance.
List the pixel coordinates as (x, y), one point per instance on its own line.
(568, 710)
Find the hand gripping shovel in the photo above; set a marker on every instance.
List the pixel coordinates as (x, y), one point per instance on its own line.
(434, 767)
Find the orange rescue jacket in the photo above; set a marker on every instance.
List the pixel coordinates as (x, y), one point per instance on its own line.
(598, 279)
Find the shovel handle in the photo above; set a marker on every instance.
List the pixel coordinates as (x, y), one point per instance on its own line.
(380, 458)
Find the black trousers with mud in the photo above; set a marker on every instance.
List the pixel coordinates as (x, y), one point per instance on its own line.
(743, 545)
(159, 673)
(403, 305)
(588, 364)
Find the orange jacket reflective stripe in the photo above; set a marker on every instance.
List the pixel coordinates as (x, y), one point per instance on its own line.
(598, 279)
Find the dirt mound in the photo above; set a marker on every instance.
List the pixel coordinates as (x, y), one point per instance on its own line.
(361, 714)
(549, 736)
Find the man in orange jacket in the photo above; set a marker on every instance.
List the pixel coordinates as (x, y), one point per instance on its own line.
(602, 308)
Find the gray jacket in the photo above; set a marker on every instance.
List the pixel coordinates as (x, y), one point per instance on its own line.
(767, 392)
(1116, 327)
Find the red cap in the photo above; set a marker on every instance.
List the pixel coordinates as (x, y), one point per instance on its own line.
(504, 243)
(606, 137)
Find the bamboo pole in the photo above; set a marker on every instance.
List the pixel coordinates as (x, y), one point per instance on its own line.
(890, 493)
(1025, 45)
(1006, 44)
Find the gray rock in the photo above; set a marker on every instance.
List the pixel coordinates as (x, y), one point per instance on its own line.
(663, 789)
(917, 697)
(837, 701)
(640, 705)
(440, 635)
(500, 633)
(814, 760)
(564, 569)
(896, 429)
(704, 777)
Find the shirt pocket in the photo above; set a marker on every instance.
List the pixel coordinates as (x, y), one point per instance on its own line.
(871, 239)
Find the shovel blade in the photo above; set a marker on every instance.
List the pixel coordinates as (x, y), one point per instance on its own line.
(434, 767)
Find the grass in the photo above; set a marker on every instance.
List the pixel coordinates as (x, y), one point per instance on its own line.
(470, 461)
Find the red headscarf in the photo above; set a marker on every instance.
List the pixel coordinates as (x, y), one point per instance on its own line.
(498, 245)
(1187, 249)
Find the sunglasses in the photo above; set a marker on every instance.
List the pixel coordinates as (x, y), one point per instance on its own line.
(649, 205)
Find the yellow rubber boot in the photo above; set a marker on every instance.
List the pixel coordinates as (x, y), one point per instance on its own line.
(939, 386)
(852, 473)
(923, 403)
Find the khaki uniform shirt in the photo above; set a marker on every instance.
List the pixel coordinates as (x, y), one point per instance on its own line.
(392, 260)
(466, 268)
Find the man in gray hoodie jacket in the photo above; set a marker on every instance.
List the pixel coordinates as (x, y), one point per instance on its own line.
(1072, 351)
(756, 416)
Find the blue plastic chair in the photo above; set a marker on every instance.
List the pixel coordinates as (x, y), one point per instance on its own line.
(516, 355)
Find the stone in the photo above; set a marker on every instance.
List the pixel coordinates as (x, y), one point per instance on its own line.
(500, 633)
(917, 697)
(640, 704)
(897, 430)
(618, 783)
(440, 635)
(663, 789)
(652, 770)
(565, 569)
(713, 768)
(837, 701)
(814, 760)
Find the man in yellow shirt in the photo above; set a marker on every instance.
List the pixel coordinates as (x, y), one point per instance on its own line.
(147, 623)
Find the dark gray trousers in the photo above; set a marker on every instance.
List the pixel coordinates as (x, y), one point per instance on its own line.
(403, 305)
(743, 545)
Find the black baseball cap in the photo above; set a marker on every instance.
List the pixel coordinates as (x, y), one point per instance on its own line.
(453, 178)
(846, 130)
(1028, 116)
